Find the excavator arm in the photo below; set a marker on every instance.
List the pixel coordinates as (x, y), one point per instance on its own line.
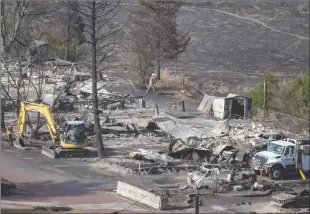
(44, 110)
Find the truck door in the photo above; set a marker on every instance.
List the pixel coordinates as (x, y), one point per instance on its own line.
(289, 158)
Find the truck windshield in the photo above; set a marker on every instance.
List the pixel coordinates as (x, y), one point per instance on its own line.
(275, 148)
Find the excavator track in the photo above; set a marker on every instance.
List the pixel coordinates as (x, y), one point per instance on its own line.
(58, 152)
(87, 152)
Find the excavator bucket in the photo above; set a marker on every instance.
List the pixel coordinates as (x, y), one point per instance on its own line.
(49, 152)
(20, 142)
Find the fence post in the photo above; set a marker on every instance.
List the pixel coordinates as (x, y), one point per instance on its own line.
(142, 102)
(156, 109)
(182, 106)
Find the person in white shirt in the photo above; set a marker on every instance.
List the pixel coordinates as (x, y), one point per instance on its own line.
(152, 83)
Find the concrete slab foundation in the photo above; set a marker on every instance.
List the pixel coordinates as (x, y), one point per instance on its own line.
(140, 195)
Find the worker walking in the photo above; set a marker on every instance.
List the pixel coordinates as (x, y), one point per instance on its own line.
(152, 83)
(9, 132)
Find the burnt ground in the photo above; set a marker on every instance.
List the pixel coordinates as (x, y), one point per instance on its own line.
(235, 41)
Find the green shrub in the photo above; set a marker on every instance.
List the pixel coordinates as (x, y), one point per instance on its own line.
(257, 93)
(289, 97)
(57, 47)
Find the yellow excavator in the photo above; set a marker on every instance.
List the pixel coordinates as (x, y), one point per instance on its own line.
(72, 142)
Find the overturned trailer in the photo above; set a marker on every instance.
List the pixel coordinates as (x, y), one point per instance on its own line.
(37, 52)
(226, 107)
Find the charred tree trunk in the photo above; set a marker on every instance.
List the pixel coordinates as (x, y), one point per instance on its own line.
(2, 117)
(100, 29)
(68, 39)
(66, 49)
(17, 101)
(18, 82)
(94, 83)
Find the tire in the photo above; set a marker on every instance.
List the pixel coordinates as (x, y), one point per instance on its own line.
(276, 173)
(290, 205)
(5, 190)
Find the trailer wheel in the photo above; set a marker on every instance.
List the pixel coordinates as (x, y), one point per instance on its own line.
(276, 173)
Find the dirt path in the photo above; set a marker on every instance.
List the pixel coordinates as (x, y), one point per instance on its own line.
(163, 98)
(260, 23)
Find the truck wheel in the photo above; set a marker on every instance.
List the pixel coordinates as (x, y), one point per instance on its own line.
(290, 205)
(275, 173)
(5, 190)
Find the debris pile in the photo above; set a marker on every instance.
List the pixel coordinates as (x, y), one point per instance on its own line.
(213, 154)
(161, 159)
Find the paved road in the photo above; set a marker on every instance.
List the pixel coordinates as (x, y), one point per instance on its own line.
(45, 182)
(226, 204)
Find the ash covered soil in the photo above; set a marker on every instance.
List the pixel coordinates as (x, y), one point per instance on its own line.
(235, 41)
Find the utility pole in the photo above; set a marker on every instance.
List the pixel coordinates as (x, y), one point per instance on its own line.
(68, 32)
(2, 124)
(158, 44)
(176, 65)
(158, 56)
(265, 97)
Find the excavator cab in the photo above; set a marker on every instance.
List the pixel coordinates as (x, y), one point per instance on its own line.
(74, 133)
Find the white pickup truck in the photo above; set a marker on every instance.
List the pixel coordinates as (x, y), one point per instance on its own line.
(283, 157)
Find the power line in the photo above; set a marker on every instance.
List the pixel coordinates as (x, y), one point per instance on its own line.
(129, 206)
(289, 115)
